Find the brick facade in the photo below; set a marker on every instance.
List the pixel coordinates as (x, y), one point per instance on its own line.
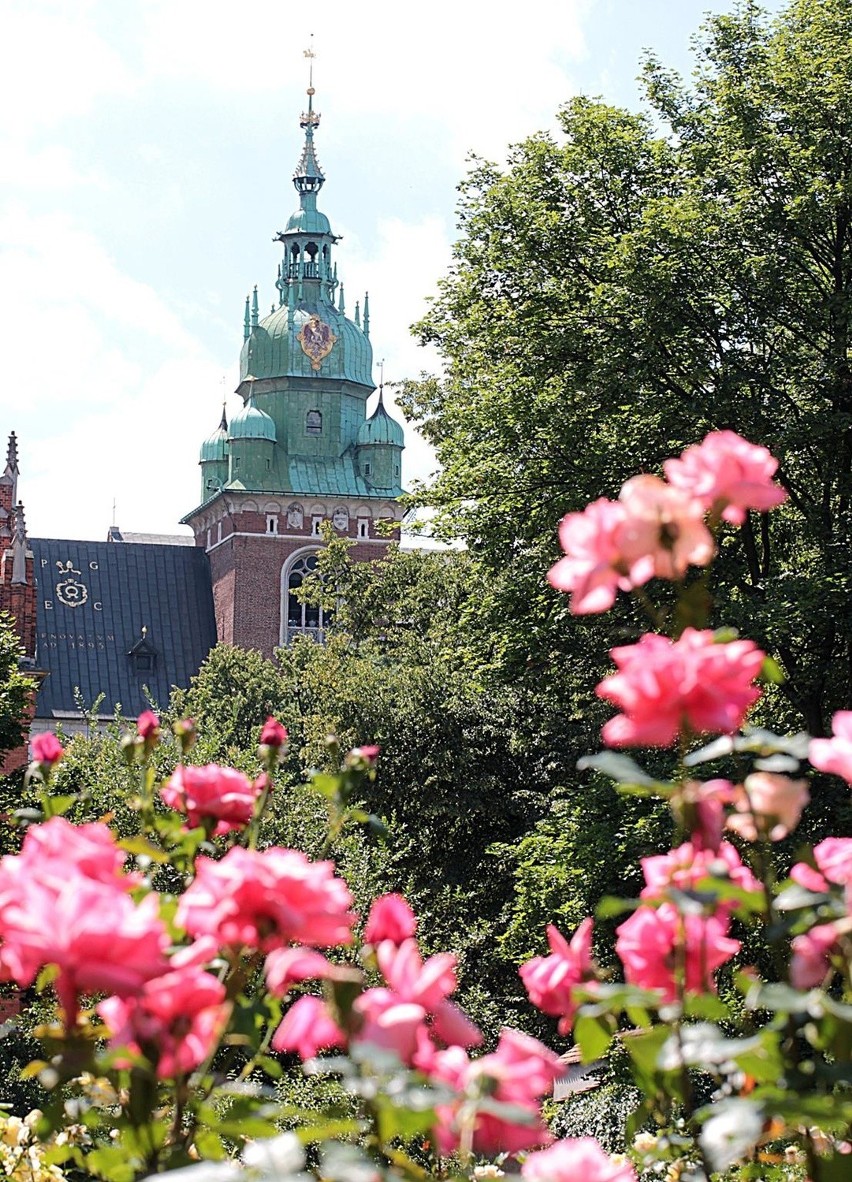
(17, 582)
(251, 545)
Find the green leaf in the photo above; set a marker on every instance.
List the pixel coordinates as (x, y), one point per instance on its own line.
(593, 1036)
(57, 806)
(329, 1130)
(771, 672)
(141, 845)
(625, 771)
(610, 906)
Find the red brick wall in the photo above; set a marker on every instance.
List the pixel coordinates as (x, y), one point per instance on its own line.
(246, 576)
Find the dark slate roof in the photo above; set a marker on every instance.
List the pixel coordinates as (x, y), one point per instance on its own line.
(95, 598)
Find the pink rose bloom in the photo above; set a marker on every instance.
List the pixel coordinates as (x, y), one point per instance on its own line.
(389, 1023)
(683, 868)
(594, 568)
(306, 1028)
(834, 858)
(727, 472)
(808, 878)
(428, 984)
(835, 755)
(550, 980)
(519, 1072)
(663, 531)
(647, 944)
(425, 983)
(767, 805)
(700, 807)
(579, 1159)
(266, 899)
(148, 725)
(273, 733)
(287, 966)
(390, 918)
(212, 793)
(174, 1020)
(47, 749)
(101, 941)
(55, 850)
(692, 684)
(811, 962)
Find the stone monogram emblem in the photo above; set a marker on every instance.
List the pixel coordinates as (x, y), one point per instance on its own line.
(70, 591)
(317, 340)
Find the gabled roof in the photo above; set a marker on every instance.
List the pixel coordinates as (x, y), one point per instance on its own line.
(94, 599)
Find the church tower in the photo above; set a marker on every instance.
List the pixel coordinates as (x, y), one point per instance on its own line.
(301, 450)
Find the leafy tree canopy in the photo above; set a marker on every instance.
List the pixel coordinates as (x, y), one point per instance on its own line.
(647, 278)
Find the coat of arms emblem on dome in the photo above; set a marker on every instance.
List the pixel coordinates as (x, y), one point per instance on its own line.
(317, 340)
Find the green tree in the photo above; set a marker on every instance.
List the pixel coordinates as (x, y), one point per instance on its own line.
(16, 687)
(645, 279)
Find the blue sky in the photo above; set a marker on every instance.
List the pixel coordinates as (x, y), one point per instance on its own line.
(146, 150)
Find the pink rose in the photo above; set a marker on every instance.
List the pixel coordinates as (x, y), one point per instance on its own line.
(266, 899)
(683, 868)
(767, 805)
(148, 725)
(47, 749)
(550, 980)
(663, 531)
(810, 963)
(700, 808)
(287, 966)
(594, 568)
(726, 472)
(306, 1028)
(425, 983)
(174, 1020)
(99, 939)
(519, 1073)
(834, 858)
(648, 943)
(835, 755)
(389, 1023)
(273, 733)
(665, 687)
(56, 850)
(574, 1159)
(212, 793)
(390, 918)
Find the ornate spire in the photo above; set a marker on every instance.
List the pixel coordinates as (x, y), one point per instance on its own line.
(11, 473)
(223, 422)
(19, 546)
(367, 314)
(246, 322)
(308, 177)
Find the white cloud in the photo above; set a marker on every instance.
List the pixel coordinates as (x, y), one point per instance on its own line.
(110, 395)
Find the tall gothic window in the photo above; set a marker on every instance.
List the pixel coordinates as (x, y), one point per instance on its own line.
(301, 619)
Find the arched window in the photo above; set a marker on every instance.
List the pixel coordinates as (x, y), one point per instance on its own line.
(301, 619)
(313, 423)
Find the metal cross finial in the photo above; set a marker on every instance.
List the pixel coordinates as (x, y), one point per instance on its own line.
(310, 55)
(381, 374)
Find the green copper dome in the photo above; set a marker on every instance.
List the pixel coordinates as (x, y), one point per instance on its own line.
(381, 428)
(274, 348)
(307, 221)
(251, 423)
(215, 446)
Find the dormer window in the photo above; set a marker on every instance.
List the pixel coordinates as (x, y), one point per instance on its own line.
(313, 423)
(143, 655)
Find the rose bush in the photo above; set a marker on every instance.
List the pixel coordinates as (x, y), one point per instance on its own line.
(183, 959)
